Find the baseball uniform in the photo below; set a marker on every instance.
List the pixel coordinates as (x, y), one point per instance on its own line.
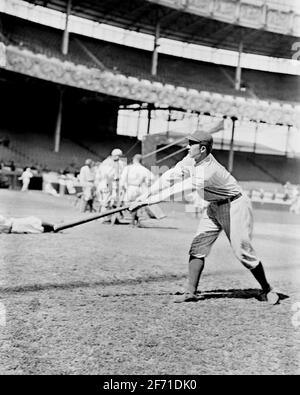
(87, 178)
(229, 207)
(135, 180)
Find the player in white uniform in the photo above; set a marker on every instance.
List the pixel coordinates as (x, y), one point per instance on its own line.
(87, 181)
(108, 179)
(135, 180)
(108, 183)
(26, 177)
(24, 225)
(229, 209)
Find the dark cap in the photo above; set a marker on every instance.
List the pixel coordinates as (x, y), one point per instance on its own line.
(201, 137)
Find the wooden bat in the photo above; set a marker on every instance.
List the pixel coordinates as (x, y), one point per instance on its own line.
(89, 219)
(156, 213)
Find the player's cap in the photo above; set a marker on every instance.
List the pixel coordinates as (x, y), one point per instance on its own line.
(201, 137)
(116, 152)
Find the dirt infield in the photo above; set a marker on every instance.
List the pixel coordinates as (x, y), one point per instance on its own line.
(98, 299)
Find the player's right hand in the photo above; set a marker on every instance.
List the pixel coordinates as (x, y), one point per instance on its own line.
(137, 204)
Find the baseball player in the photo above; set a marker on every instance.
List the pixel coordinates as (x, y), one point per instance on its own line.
(135, 180)
(30, 224)
(108, 180)
(87, 179)
(229, 209)
(25, 178)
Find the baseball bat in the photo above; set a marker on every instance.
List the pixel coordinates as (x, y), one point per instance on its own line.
(72, 224)
(89, 219)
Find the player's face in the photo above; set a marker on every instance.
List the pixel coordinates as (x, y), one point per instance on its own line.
(196, 151)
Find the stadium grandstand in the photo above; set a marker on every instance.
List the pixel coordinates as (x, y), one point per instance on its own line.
(64, 80)
(134, 62)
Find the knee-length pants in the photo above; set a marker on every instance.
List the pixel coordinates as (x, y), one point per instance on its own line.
(236, 219)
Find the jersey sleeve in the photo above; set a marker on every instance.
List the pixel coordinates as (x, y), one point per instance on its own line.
(149, 177)
(188, 180)
(82, 176)
(170, 177)
(181, 189)
(124, 177)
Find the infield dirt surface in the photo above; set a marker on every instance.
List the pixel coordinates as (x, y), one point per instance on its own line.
(98, 299)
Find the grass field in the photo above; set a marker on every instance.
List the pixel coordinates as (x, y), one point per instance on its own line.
(98, 299)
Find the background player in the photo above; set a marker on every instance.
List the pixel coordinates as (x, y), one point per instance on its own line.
(108, 182)
(87, 180)
(135, 180)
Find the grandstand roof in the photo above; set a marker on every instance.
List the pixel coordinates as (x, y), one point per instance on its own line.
(239, 145)
(142, 15)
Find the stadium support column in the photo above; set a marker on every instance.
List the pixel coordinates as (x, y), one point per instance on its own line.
(58, 122)
(138, 123)
(231, 151)
(287, 140)
(1, 28)
(255, 136)
(65, 40)
(150, 108)
(168, 123)
(155, 50)
(238, 71)
(149, 146)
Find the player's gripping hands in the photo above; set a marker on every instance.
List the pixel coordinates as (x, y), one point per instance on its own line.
(138, 204)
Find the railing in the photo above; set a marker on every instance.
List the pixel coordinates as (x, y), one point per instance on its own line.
(267, 172)
(171, 155)
(176, 142)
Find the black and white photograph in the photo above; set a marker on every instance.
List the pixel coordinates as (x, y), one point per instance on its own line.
(149, 190)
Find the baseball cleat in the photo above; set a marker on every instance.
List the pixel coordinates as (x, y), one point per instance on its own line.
(187, 297)
(270, 297)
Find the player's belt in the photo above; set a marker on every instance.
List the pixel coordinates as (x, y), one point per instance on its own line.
(228, 200)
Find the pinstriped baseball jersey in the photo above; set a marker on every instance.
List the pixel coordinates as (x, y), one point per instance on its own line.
(208, 177)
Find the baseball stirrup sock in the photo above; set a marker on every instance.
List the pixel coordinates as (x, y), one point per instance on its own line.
(196, 266)
(260, 276)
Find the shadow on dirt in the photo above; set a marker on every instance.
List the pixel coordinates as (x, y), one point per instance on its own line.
(212, 294)
(144, 226)
(236, 293)
(89, 284)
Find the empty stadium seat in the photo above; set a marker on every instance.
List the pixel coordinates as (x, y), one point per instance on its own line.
(33, 149)
(187, 73)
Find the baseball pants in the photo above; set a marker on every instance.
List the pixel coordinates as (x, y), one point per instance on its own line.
(236, 219)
